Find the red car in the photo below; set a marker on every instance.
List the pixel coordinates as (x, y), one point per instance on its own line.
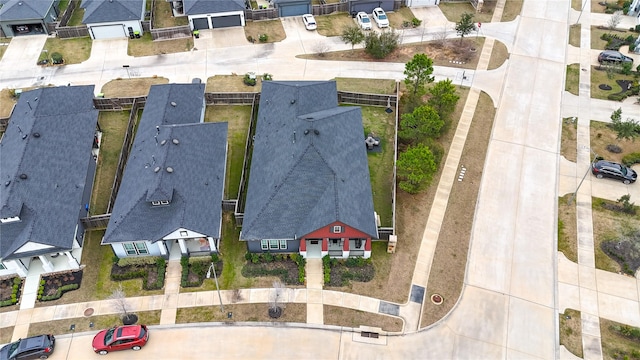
(132, 337)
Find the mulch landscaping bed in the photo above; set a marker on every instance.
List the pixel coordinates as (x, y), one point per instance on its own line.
(341, 274)
(149, 280)
(6, 289)
(54, 281)
(286, 270)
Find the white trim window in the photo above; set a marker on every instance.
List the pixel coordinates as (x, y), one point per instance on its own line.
(264, 244)
(283, 244)
(337, 229)
(274, 244)
(136, 248)
(2, 267)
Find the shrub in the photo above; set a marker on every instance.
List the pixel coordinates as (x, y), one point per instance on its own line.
(61, 290)
(248, 80)
(255, 258)
(56, 58)
(268, 257)
(251, 39)
(267, 77)
(138, 261)
(215, 258)
(263, 38)
(17, 281)
(617, 97)
(8, 302)
(415, 22)
(379, 46)
(631, 159)
(248, 256)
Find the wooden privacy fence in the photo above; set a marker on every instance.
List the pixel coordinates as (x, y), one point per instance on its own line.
(118, 103)
(261, 14)
(175, 32)
(244, 98)
(96, 222)
(346, 97)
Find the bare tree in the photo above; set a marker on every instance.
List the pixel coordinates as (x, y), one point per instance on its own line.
(236, 296)
(615, 20)
(321, 48)
(440, 36)
(120, 303)
(275, 302)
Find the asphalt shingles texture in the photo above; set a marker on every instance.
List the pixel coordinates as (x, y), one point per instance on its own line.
(98, 11)
(24, 9)
(309, 165)
(195, 7)
(175, 158)
(44, 160)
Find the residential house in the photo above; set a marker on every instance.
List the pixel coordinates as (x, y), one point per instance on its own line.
(170, 198)
(309, 189)
(367, 6)
(27, 17)
(47, 165)
(293, 7)
(108, 19)
(211, 14)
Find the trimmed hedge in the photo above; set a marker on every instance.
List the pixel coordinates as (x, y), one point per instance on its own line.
(139, 268)
(631, 159)
(145, 260)
(61, 290)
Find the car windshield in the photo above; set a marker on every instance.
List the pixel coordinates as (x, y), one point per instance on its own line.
(13, 349)
(108, 337)
(382, 16)
(365, 19)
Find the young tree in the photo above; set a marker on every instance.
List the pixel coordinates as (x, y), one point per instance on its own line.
(418, 73)
(275, 303)
(443, 98)
(120, 303)
(465, 25)
(352, 35)
(419, 125)
(629, 129)
(615, 20)
(416, 167)
(379, 46)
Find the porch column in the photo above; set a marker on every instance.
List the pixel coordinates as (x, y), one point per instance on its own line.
(212, 244)
(20, 269)
(303, 248)
(345, 248)
(183, 247)
(73, 263)
(367, 248)
(325, 247)
(46, 264)
(163, 248)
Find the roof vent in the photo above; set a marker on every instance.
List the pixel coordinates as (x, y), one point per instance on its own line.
(175, 141)
(173, 103)
(306, 132)
(293, 101)
(315, 131)
(36, 135)
(156, 169)
(7, 183)
(24, 136)
(169, 169)
(23, 176)
(163, 142)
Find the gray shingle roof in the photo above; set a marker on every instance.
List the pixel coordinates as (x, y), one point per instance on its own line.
(49, 139)
(309, 165)
(195, 7)
(24, 9)
(99, 11)
(175, 158)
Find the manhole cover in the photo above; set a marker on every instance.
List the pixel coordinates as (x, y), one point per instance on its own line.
(604, 87)
(88, 312)
(437, 299)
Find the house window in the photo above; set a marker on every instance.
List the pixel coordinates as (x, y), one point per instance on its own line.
(155, 203)
(2, 267)
(136, 248)
(274, 244)
(164, 202)
(184, 233)
(283, 244)
(337, 229)
(264, 244)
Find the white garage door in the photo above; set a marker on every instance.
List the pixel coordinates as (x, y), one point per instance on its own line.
(422, 2)
(108, 32)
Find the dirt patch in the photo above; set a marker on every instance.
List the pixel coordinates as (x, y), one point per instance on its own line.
(339, 316)
(271, 28)
(619, 341)
(569, 142)
(454, 53)
(286, 270)
(342, 275)
(567, 228)
(611, 227)
(291, 312)
(131, 87)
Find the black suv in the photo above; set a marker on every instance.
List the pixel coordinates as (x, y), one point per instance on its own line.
(612, 56)
(613, 170)
(35, 347)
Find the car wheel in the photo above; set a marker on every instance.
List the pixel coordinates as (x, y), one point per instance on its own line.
(626, 182)
(44, 356)
(599, 176)
(103, 352)
(136, 348)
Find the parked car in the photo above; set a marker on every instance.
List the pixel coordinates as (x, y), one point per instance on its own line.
(380, 17)
(603, 168)
(117, 338)
(309, 22)
(363, 20)
(613, 56)
(35, 347)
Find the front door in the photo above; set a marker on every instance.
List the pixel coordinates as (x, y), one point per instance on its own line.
(314, 249)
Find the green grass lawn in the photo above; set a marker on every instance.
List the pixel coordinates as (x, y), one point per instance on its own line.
(376, 120)
(145, 46)
(76, 17)
(574, 35)
(233, 252)
(572, 82)
(368, 86)
(599, 77)
(238, 118)
(597, 32)
(114, 126)
(73, 51)
(163, 16)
